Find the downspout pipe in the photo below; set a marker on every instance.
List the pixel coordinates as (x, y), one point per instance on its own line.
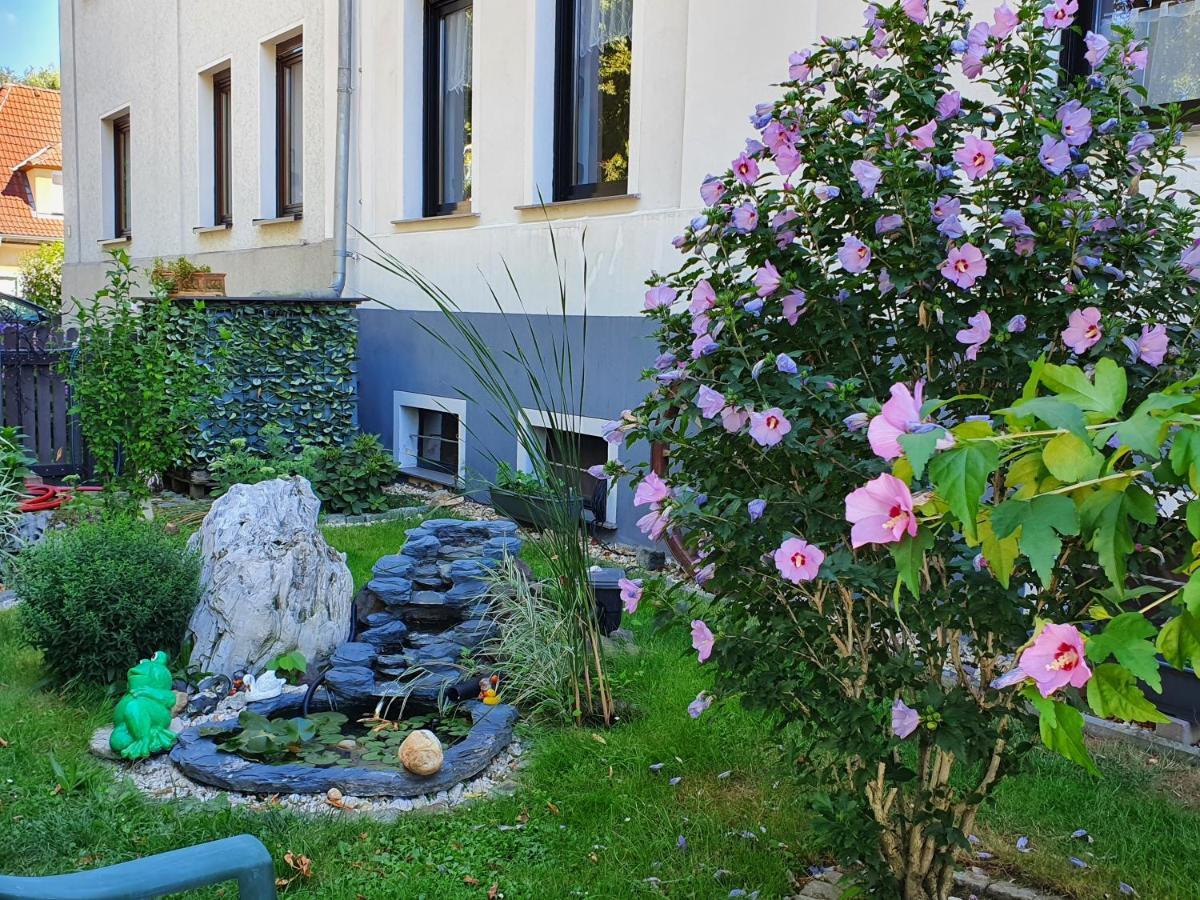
(341, 176)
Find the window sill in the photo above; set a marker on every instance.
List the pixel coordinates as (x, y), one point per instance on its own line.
(555, 204)
(114, 241)
(430, 475)
(211, 229)
(278, 220)
(459, 218)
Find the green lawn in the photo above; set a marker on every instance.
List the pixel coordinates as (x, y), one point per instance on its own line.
(594, 819)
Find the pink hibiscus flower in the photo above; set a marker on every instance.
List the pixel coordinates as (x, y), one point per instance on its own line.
(1060, 14)
(1004, 22)
(881, 512)
(702, 639)
(1097, 48)
(1055, 659)
(977, 335)
(1135, 58)
(654, 523)
(922, 138)
(698, 706)
(915, 10)
(964, 265)
(745, 169)
(901, 414)
(868, 176)
(976, 156)
(854, 255)
(1083, 330)
(660, 296)
(798, 67)
(652, 489)
(704, 298)
(1189, 259)
(709, 402)
(769, 427)
(797, 560)
(1150, 347)
(768, 280)
(631, 594)
(949, 105)
(734, 420)
(793, 305)
(905, 719)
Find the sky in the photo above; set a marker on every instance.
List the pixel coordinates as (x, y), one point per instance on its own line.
(28, 33)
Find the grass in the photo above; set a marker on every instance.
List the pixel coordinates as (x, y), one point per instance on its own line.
(589, 817)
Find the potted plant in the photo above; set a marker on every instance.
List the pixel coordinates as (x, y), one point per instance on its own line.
(182, 276)
(523, 497)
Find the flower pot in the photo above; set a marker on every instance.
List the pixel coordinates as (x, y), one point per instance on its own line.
(1180, 695)
(608, 598)
(537, 511)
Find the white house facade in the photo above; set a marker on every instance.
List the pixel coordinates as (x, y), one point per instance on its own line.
(209, 128)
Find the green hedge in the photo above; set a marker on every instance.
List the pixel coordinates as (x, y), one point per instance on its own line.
(288, 362)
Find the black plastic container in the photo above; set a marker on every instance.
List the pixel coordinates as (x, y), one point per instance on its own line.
(608, 597)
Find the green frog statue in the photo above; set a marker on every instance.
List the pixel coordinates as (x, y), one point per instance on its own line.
(143, 714)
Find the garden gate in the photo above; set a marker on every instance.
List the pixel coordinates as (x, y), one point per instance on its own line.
(36, 398)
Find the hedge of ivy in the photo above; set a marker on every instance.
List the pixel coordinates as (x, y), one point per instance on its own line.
(287, 362)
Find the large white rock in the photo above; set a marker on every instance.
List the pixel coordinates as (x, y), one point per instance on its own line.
(270, 582)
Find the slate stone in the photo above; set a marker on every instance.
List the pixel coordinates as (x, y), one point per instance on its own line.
(351, 681)
(427, 598)
(422, 547)
(441, 651)
(398, 566)
(391, 590)
(470, 569)
(199, 759)
(386, 636)
(466, 591)
(357, 653)
(203, 703)
(500, 547)
(379, 619)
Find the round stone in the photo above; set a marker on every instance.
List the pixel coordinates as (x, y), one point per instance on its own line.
(421, 753)
(347, 744)
(334, 795)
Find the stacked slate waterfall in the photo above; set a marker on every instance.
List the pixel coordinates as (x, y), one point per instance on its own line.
(424, 609)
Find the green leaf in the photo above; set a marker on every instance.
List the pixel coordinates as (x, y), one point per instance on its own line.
(1143, 433)
(960, 476)
(1125, 638)
(909, 554)
(1193, 518)
(1112, 693)
(1000, 552)
(1179, 641)
(918, 448)
(1054, 412)
(1061, 727)
(1185, 455)
(1041, 521)
(1106, 394)
(1106, 523)
(1071, 459)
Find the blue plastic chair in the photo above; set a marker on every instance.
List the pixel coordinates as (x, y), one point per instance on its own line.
(243, 858)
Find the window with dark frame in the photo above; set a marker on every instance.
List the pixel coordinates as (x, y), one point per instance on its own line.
(289, 126)
(437, 441)
(1170, 29)
(592, 79)
(448, 59)
(222, 147)
(571, 455)
(121, 192)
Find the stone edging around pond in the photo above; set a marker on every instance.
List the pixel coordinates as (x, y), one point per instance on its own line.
(400, 512)
(198, 758)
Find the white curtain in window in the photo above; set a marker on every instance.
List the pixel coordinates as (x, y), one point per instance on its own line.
(457, 50)
(601, 21)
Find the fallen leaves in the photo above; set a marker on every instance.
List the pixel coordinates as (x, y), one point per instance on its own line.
(298, 863)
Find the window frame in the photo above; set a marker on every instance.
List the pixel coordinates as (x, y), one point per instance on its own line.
(121, 180)
(432, 205)
(1073, 64)
(222, 87)
(288, 54)
(565, 188)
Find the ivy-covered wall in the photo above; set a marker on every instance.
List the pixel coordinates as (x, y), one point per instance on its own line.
(286, 361)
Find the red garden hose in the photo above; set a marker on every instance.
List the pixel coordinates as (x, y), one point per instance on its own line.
(49, 496)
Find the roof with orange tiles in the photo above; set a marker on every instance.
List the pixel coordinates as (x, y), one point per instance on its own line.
(30, 136)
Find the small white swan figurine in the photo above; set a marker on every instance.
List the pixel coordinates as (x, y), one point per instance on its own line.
(264, 687)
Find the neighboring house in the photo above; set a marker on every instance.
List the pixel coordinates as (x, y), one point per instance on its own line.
(207, 128)
(31, 178)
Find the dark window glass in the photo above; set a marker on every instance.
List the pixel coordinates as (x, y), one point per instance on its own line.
(448, 37)
(222, 145)
(289, 81)
(437, 441)
(120, 133)
(595, 55)
(571, 455)
(1169, 30)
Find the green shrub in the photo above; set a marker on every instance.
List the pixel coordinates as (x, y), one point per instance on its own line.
(14, 466)
(101, 596)
(524, 483)
(241, 465)
(350, 478)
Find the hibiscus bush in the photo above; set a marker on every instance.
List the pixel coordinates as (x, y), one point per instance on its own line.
(918, 587)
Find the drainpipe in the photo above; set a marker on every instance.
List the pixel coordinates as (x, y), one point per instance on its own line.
(341, 178)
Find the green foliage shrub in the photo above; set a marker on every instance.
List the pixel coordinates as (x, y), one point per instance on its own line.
(102, 595)
(14, 465)
(41, 276)
(350, 478)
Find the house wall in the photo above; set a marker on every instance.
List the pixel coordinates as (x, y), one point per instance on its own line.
(10, 265)
(699, 67)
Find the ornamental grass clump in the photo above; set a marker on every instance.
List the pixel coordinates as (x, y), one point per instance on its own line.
(931, 217)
